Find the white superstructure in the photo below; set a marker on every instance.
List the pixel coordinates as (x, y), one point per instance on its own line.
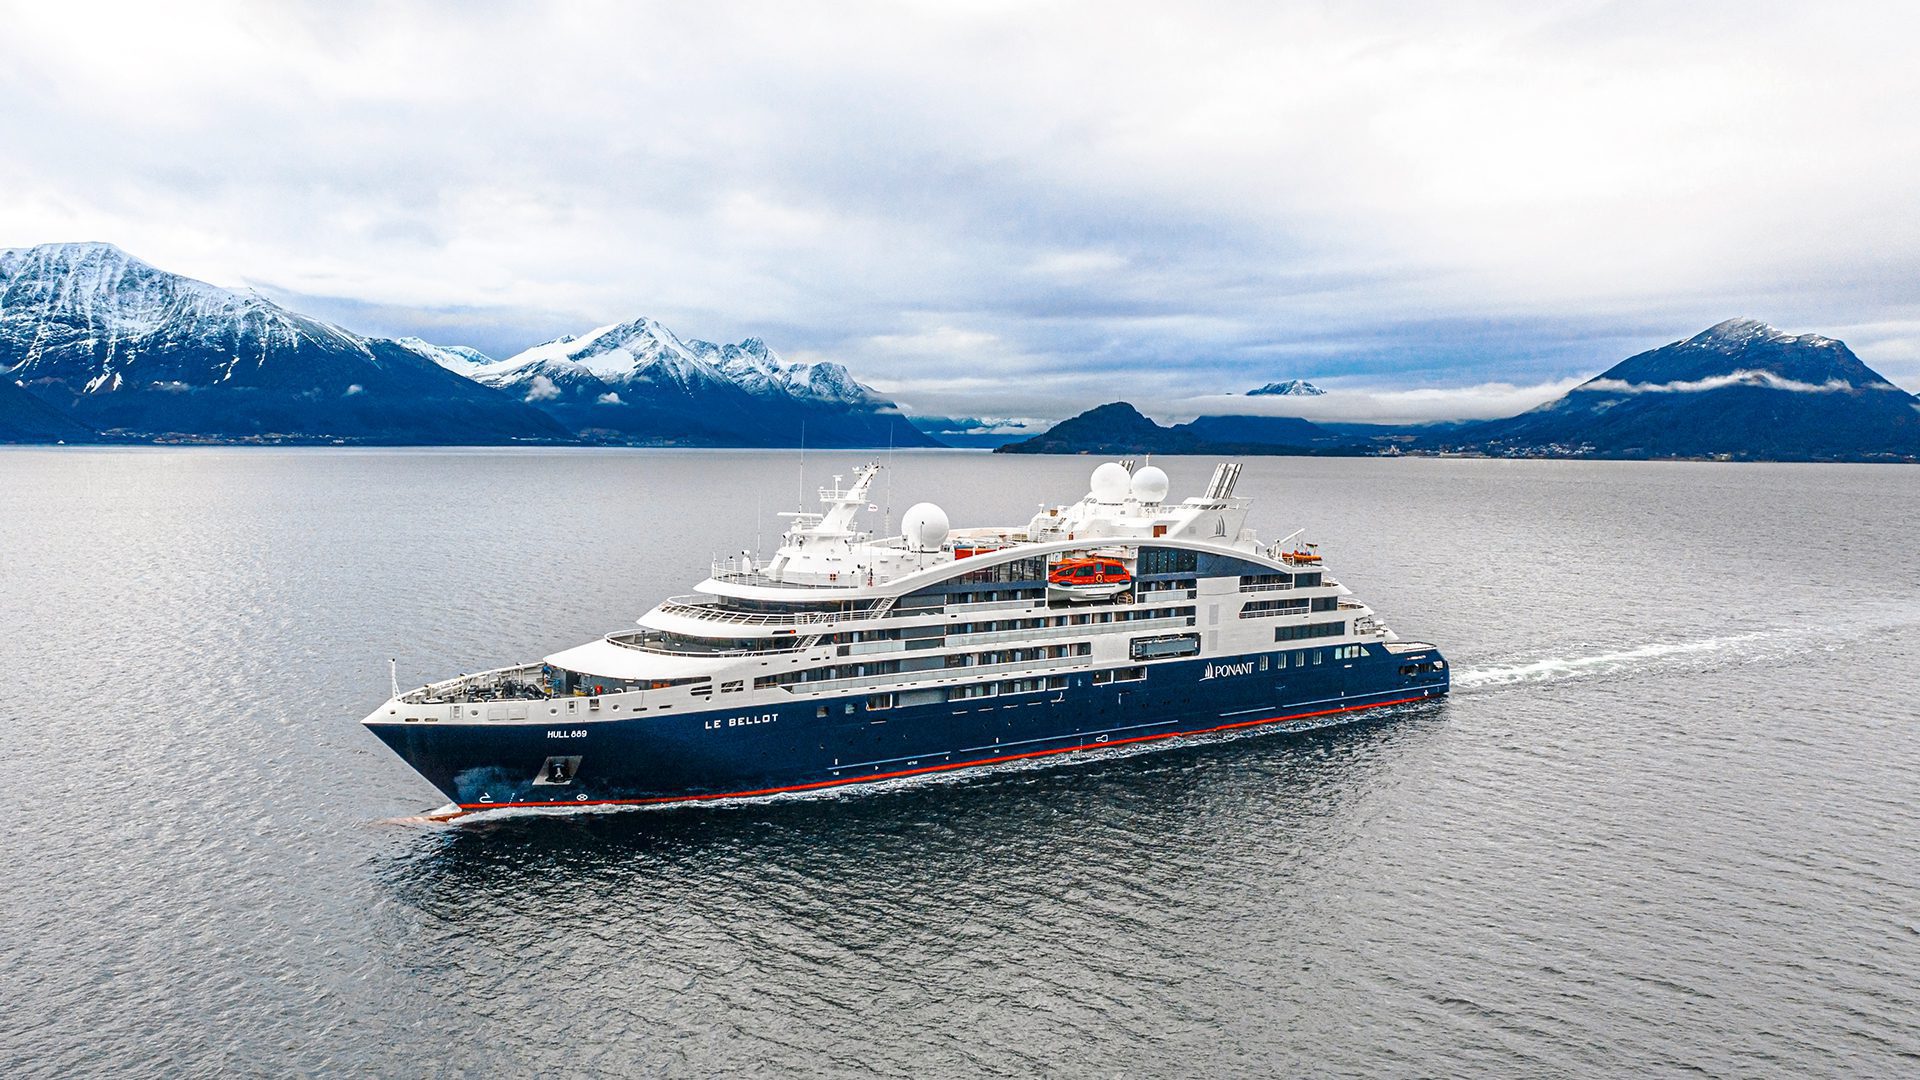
(939, 614)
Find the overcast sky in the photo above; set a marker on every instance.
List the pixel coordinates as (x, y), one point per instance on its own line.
(1018, 209)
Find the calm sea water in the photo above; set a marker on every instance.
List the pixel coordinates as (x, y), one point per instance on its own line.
(1667, 822)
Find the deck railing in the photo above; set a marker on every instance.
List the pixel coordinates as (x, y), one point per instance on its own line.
(709, 610)
(1051, 633)
(939, 675)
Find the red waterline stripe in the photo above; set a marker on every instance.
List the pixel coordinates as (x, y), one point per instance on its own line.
(948, 767)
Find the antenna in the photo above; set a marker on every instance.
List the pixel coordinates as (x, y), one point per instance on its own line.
(393, 674)
(886, 523)
(803, 466)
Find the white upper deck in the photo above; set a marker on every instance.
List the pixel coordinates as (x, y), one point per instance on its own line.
(827, 551)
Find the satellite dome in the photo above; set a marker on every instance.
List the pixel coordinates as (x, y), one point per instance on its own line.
(925, 526)
(1150, 484)
(1111, 483)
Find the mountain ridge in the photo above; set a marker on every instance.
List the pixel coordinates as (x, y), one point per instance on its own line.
(638, 379)
(124, 347)
(1118, 428)
(1739, 389)
(106, 345)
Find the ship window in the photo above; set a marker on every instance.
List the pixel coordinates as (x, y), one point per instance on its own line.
(1263, 661)
(879, 701)
(732, 686)
(821, 711)
(1154, 560)
(1317, 653)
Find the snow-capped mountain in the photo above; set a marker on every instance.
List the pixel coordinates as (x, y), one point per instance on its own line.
(125, 347)
(456, 358)
(1290, 388)
(760, 370)
(640, 381)
(1738, 389)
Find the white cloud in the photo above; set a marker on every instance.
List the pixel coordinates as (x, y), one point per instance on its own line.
(356, 388)
(1378, 405)
(609, 398)
(1733, 378)
(542, 389)
(1199, 198)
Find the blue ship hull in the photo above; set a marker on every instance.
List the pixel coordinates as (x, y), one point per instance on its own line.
(755, 751)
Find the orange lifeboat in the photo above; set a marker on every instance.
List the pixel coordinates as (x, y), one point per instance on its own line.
(1095, 578)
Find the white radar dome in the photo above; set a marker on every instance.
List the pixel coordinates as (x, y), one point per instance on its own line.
(925, 526)
(1111, 482)
(1150, 484)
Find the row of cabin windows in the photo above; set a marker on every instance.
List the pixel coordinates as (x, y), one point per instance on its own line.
(1167, 585)
(1423, 668)
(1114, 675)
(1305, 579)
(931, 663)
(1309, 630)
(1259, 609)
(938, 597)
(1020, 656)
(1032, 568)
(1349, 652)
(1005, 687)
(1088, 618)
(1158, 560)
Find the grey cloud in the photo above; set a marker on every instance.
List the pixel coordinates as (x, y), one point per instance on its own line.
(1079, 196)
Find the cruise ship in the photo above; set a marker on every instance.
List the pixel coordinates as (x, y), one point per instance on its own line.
(849, 657)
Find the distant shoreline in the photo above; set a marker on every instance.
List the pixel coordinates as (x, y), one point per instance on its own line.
(1205, 454)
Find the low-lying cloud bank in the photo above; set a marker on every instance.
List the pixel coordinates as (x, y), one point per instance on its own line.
(1743, 377)
(1371, 405)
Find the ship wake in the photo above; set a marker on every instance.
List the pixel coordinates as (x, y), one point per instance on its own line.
(1692, 655)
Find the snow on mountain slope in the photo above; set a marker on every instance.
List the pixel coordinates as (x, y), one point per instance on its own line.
(649, 383)
(456, 358)
(762, 371)
(1738, 389)
(124, 346)
(1290, 388)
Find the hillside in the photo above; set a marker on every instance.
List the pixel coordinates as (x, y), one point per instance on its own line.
(640, 382)
(1118, 428)
(1740, 389)
(126, 348)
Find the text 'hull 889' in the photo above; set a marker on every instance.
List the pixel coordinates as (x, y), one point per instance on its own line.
(1123, 618)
